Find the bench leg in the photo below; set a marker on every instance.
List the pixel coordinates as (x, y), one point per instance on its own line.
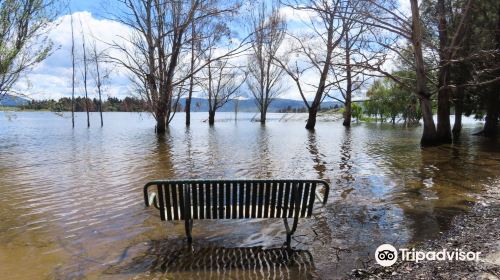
(188, 224)
(290, 231)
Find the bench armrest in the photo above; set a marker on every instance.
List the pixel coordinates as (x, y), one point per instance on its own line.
(151, 198)
(326, 188)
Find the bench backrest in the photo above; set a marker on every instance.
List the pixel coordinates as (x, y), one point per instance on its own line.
(235, 199)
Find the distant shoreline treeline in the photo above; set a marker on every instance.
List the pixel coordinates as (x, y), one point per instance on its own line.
(134, 104)
(112, 104)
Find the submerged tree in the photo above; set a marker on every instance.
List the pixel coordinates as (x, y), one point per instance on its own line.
(358, 56)
(73, 64)
(23, 38)
(100, 73)
(155, 47)
(221, 83)
(313, 51)
(264, 79)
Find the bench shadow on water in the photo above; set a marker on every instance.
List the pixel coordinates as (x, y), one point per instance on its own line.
(177, 260)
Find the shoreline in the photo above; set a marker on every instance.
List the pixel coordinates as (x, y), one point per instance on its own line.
(476, 230)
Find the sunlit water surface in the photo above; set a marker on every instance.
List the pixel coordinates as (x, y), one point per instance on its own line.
(71, 202)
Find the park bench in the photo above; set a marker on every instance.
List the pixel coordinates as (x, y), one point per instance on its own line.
(190, 200)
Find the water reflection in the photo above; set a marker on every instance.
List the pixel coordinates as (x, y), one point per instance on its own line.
(171, 259)
(346, 177)
(317, 157)
(71, 200)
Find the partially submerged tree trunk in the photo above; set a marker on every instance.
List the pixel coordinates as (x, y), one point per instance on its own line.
(443, 112)
(85, 71)
(492, 114)
(191, 78)
(263, 114)
(429, 135)
(73, 74)
(211, 117)
(459, 108)
(348, 93)
(493, 106)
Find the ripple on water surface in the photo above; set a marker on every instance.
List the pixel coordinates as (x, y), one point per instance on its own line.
(71, 200)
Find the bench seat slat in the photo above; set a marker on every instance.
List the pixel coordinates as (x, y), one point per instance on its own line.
(279, 205)
(208, 201)
(233, 199)
(254, 188)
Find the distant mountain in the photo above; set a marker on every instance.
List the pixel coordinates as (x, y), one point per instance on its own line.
(249, 105)
(12, 101)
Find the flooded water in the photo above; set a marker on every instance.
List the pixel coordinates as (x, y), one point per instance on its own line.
(71, 202)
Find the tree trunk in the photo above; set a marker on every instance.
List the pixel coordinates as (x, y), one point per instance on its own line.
(211, 117)
(160, 122)
(311, 120)
(492, 109)
(188, 109)
(443, 112)
(491, 122)
(263, 116)
(429, 135)
(459, 108)
(348, 93)
(443, 116)
(191, 78)
(347, 111)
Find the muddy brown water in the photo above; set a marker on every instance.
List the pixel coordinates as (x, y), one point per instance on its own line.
(71, 203)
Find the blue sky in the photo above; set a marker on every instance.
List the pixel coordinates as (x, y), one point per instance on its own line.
(93, 6)
(52, 77)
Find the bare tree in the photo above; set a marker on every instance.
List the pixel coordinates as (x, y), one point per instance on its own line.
(314, 51)
(23, 38)
(73, 73)
(357, 57)
(152, 53)
(84, 74)
(221, 82)
(100, 72)
(264, 79)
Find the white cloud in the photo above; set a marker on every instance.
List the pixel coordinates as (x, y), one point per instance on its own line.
(52, 77)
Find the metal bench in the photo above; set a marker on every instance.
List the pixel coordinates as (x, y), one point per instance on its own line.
(190, 200)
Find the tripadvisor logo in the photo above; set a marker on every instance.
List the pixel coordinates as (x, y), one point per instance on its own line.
(387, 255)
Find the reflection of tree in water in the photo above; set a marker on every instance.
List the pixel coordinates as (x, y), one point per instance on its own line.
(188, 141)
(178, 261)
(317, 157)
(161, 157)
(346, 177)
(264, 162)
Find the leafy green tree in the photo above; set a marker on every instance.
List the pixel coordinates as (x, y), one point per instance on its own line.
(23, 38)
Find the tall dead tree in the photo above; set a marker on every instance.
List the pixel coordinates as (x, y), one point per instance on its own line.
(264, 80)
(99, 73)
(73, 72)
(314, 51)
(85, 74)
